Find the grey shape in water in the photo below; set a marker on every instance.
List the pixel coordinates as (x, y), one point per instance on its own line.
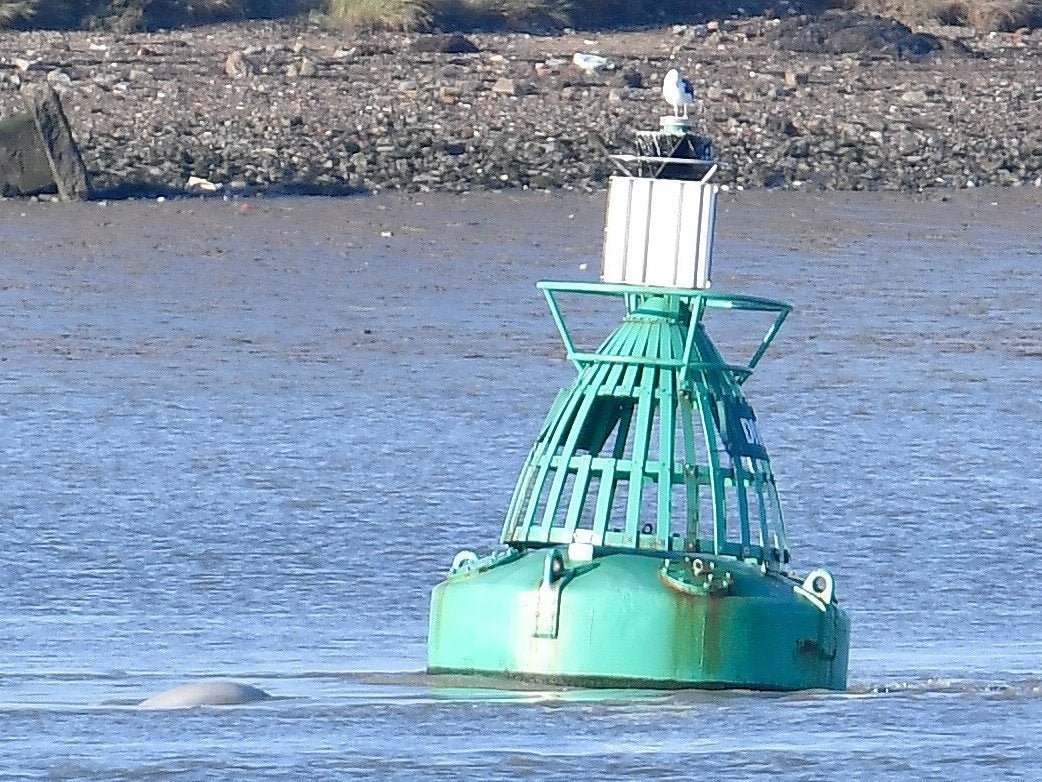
(209, 693)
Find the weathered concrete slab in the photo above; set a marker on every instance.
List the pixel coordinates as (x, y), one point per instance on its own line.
(24, 167)
(70, 176)
(38, 153)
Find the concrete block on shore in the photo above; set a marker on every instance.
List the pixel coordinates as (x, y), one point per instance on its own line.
(24, 168)
(38, 153)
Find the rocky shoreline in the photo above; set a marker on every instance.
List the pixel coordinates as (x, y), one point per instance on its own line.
(285, 107)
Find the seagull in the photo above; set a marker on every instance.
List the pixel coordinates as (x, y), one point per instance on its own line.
(678, 92)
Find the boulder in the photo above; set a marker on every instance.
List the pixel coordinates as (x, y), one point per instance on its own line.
(841, 32)
(444, 44)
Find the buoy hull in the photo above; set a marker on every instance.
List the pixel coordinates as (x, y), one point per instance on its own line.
(632, 620)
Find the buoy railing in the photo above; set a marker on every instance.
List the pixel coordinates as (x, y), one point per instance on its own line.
(697, 301)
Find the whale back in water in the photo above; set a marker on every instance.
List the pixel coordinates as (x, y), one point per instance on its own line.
(213, 693)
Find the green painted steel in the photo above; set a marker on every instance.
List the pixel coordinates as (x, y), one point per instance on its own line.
(627, 619)
(653, 447)
(644, 542)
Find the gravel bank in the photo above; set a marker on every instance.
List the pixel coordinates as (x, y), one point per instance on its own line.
(280, 107)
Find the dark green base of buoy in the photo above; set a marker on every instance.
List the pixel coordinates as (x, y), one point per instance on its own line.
(596, 682)
(635, 620)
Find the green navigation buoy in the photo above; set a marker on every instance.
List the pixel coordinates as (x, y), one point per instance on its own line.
(644, 545)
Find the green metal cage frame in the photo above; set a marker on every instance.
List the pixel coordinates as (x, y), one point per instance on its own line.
(666, 366)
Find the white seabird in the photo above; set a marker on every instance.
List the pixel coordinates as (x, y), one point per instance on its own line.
(678, 92)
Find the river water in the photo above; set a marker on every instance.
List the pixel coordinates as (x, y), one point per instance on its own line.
(245, 440)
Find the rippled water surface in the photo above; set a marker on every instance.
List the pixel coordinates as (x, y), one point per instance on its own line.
(245, 442)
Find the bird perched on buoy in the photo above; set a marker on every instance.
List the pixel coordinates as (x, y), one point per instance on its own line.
(678, 92)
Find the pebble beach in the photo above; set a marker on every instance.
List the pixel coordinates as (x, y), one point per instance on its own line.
(287, 107)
